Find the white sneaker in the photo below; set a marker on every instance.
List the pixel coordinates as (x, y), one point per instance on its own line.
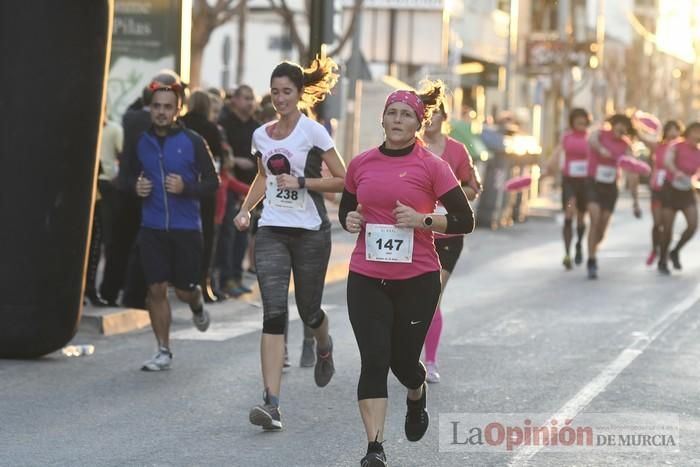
(432, 376)
(201, 320)
(159, 362)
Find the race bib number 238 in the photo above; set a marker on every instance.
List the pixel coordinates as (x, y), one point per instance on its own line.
(389, 244)
(286, 198)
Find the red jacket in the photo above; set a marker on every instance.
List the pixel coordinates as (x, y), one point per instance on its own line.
(228, 183)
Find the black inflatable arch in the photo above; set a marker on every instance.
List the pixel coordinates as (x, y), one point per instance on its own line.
(53, 57)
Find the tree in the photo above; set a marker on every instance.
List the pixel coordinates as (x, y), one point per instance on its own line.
(206, 18)
(208, 15)
(281, 8)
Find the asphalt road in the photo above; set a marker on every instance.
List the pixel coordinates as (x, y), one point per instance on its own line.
(521, 336)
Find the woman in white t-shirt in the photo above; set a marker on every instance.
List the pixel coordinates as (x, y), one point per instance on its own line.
(294, 233)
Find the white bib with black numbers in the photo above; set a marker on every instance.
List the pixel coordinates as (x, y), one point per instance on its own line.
(286, 198)
(578, 168)
(682, 183)
(660, 177)
(606, 174)
(388, 243)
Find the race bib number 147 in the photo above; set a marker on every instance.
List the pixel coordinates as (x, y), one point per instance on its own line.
(389, 244)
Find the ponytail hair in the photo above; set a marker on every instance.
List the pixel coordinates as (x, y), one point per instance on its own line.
(432, 94)
(314, 83)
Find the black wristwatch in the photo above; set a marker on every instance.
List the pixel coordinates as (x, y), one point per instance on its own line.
(427, 221)
(301, 181)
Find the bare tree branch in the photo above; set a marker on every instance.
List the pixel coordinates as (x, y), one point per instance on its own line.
(225, 16)
(288, 15)
(351, 29)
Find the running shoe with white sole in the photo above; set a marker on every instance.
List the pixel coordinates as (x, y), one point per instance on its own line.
(432, 375)
(374, 459)
(159, 362)
(267, 416)
(201, 319)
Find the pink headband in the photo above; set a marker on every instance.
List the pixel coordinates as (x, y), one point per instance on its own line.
(409, 98)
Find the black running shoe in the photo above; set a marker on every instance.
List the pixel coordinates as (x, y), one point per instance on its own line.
(663, 269)
(673, 256)
(374, 459)
(578, 258)
(592, 269)
(267, 416)
(417, 418)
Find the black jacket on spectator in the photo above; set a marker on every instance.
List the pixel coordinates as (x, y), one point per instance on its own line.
(207, 130)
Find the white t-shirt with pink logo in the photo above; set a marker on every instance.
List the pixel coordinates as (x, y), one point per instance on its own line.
(299, 154)
(418, 180)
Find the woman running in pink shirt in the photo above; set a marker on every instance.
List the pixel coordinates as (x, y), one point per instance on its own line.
(606, 149)
(671, 131)
(572, 155)
(394, 281)
(682, 162)
(448, 246)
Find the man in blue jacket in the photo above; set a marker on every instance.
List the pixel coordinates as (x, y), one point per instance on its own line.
(170, 168)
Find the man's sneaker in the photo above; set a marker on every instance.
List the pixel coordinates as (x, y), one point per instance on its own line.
(673, 256)
(159, 362)
(308, 354)
(267, 416)
(201, 319)
(651, 258)
(323, 372)
(578, 258)
(567, 262)
(663, 269)
(374, 459)
(592, 269)
(432, 376)
(417, 418)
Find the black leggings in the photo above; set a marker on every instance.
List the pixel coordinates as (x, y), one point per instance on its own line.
(390, 319)
(280, 251)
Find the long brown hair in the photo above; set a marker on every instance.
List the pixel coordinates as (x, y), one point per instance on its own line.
(314, 82)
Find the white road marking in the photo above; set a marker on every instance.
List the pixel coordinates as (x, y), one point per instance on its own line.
(598, 384)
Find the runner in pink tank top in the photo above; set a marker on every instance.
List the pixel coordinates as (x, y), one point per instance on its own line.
(448, 246)
(572, 156)
(682, 162)
(394, 280)
(671, 130)
(606, 149)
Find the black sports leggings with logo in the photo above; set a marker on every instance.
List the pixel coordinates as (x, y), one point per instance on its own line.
(279, 251)
(390, 319)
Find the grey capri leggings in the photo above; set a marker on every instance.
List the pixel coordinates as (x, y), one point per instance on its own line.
(278, 252)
